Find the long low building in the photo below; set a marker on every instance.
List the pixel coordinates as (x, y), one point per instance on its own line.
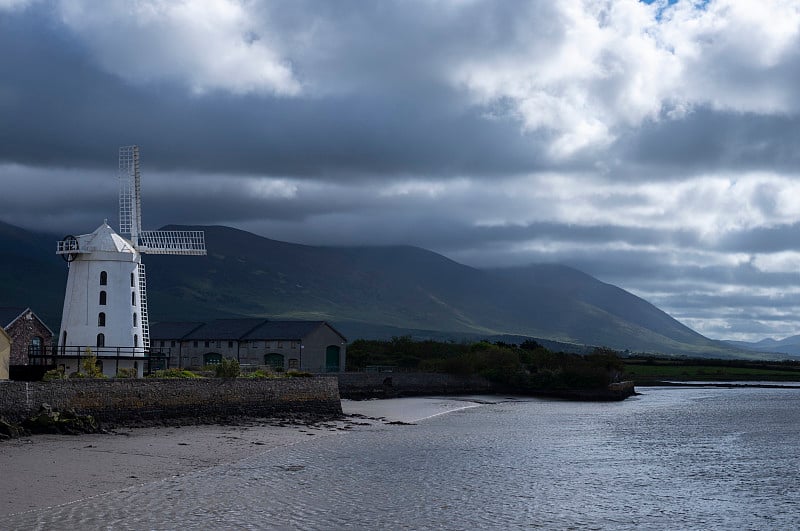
(313, 346)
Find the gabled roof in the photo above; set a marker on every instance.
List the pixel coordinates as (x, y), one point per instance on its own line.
(173, 329)
(286, 330)
(9, 314)
(225, 328)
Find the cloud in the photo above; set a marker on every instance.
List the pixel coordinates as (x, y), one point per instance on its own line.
(207, 46)
(587, 70)
(653, 146)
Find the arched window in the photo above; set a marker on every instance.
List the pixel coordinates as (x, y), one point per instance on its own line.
(133, 281)
(63, 342)
(101, 340)
(135, 320)
(103, 278)
(133, 298)
(102, 298)
(101, 319)
(135, 340)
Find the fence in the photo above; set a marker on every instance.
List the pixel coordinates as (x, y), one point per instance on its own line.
(153, 358)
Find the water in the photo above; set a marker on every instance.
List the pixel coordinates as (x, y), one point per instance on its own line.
(673, 458)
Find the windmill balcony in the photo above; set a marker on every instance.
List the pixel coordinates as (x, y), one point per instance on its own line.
(69, 247)
(153, 358)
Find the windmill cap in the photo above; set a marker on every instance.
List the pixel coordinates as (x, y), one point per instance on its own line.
(104, 239)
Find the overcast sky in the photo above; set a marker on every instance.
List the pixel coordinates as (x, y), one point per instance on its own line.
(654, 146)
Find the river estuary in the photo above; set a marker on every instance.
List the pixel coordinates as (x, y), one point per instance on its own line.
(671, 458)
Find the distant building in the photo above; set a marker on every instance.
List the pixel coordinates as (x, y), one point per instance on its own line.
(313, 346)
(28, 334)
(5, 354)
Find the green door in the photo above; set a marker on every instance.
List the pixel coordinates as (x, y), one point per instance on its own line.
(212, 358)
(332, 359)
(273, 360)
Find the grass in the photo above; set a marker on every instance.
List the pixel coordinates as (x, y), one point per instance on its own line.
(692, 371)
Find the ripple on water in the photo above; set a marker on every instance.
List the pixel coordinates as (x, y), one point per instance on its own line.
(689, 458)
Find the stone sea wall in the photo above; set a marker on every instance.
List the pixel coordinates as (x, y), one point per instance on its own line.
(120, 401)
(359, 385)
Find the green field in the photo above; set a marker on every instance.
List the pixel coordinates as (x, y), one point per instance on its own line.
(648, 371)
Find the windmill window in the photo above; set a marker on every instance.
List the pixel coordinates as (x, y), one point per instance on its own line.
(135, 323)
(133, 280)
(171, 343)
(63, 342)
(102, 298)
(101, 319)
(103, 278)
(133, 298)
(135, 340)
(230, 344)
(101, 340)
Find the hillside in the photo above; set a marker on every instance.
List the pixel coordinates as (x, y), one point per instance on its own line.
(788, 345)
(367, 291)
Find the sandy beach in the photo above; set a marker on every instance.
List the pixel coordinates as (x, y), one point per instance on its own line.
(42, 471)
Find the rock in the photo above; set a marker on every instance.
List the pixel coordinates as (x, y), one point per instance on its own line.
(9, 430)
(49, 420)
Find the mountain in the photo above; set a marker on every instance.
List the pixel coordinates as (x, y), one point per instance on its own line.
(367, 292)
(789, 345)
(29, 274)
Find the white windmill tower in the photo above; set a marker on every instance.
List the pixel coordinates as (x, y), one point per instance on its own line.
(105, 305)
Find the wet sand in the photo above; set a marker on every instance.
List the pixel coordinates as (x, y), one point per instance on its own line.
(47, 470)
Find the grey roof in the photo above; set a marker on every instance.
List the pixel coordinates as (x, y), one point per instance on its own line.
(247, 329)
(173, 329)
(283, 330)
(287, 330)
(9, 314)
(225, 328)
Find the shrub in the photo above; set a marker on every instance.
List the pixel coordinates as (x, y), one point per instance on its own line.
(126, 372)
(259, 374)
(174, 373)
(89, 364)
(228, 368)
(54, 374)
(298, 374)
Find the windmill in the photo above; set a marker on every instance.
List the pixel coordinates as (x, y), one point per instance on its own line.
(105, 304)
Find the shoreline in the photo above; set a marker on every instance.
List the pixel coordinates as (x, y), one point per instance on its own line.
(42, 471)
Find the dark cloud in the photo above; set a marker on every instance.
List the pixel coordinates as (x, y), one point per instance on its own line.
(496, 133)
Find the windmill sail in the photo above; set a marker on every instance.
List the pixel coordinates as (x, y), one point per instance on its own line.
(186, 242)
(130, 188)
(130, 215)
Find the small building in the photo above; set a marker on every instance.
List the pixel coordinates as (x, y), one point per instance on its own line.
(28, 334)
(313, 346)
(5, 354)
